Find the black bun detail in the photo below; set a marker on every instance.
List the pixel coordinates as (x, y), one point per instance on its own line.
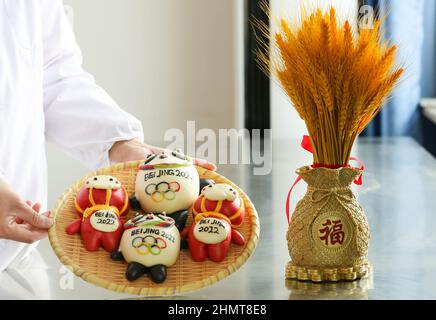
(158, 274)
(179, 154)
(134, 204)
(150, 158)
(117, 256)
(206, 183)
(135, 271)
(180, 218)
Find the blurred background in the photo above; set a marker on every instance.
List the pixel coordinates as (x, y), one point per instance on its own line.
(166, 62)
(170, 61)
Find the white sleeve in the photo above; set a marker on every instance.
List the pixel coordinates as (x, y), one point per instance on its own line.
(81, 118)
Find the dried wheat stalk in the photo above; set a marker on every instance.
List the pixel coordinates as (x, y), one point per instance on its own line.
(337, 80)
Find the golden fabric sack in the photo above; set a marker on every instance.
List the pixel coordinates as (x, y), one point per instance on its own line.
(328, 235)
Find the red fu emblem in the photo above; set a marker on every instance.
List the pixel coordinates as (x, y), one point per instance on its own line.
(332, 233)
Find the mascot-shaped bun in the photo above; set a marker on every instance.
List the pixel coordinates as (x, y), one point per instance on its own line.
(150, 244)
(217, 213)
(102, 202)
(168, 182)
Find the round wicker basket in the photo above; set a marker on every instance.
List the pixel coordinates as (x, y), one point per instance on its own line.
(186, 275)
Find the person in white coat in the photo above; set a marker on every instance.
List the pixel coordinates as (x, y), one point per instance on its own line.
(45, 95)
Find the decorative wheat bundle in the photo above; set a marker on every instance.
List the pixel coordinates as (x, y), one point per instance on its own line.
(337, 79)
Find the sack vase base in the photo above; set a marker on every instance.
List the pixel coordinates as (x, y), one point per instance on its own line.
(294, 272)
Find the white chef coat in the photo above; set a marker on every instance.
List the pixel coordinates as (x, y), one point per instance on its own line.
(46, 95)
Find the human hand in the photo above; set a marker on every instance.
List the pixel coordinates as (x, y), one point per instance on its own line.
(132, 150)
(19, 220)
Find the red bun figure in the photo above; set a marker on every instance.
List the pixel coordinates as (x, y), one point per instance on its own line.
(217, 212)
(102, 204)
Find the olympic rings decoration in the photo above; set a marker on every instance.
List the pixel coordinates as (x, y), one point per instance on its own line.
(163, 191)
(149, 245)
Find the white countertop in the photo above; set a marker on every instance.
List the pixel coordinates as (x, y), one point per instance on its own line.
(398, 196)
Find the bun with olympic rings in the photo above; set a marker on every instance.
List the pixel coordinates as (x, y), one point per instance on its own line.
(217, 213)
(150, 244)
(102, 204)
(168, 182)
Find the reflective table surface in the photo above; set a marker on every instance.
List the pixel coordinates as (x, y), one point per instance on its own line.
(399, 197)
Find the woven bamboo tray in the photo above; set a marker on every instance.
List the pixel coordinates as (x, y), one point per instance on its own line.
(186, 275)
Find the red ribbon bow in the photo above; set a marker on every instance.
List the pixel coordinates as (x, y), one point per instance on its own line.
(306, 144)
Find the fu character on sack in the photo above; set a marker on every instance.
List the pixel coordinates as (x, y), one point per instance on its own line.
(102, 203)
(217, 213)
